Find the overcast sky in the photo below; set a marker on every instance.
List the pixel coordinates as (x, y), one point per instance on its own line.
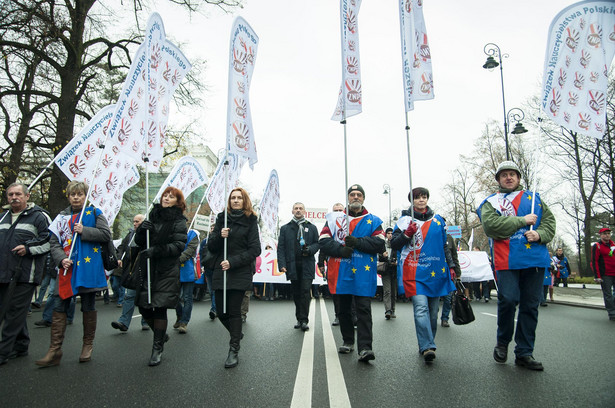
(298, 73)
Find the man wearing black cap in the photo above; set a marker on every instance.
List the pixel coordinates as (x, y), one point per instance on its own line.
(603, 265)
(520, 233)
(353, 240)
(387, 267)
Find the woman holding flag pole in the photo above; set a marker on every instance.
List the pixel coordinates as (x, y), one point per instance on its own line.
(236, 230)
(77, 234)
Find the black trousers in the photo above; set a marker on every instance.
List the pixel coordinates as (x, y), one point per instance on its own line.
(232, 318)
(363, 308)
(15, 336)
(301, 295)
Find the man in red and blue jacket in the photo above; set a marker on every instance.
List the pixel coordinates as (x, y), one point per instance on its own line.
(603, 265)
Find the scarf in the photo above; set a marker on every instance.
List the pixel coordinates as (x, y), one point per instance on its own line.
(300, 222)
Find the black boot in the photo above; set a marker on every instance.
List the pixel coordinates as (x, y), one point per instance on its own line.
(232, 359)
(160, 337)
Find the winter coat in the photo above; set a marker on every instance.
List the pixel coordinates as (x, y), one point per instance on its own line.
(243, 247)
(168, 238)
(186, 259)
(290, 251)
(31, 230)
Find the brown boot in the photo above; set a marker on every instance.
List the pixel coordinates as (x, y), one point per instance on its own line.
(89, 331)
(54, 354)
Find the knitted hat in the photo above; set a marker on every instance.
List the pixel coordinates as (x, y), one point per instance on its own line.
(356, 187)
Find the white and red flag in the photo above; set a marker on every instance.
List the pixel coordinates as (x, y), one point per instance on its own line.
(239, 131)
(79, 157)
(222, 182)
(270, 202)
(349, 101)
(580, 50)
(415, 53)
(187, 175)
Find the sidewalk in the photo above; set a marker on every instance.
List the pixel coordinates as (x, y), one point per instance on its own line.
(576, 295)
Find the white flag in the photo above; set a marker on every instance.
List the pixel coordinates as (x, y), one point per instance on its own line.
(239, 131)
(216, 193)
(187, 175)
(579, 53)
(79, 157)
(270, 201)
(349, 101)
(415, 53)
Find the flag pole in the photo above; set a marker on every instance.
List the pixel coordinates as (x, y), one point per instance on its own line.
(225, 246)
(410, 179)
(50, 165)
(343, 122)
(149, 272)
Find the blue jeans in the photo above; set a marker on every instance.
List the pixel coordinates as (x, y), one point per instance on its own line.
(446, 306)
(209, 276)
(608, 284)
(184, 312)
(521, 287)
(46, 282)
(425, 320)
(128, 308)
(118, 289)
(51, 300)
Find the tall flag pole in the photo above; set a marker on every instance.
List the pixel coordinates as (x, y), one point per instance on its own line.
(580, 50)
(350, 96)
(416, 66)
(239, 130)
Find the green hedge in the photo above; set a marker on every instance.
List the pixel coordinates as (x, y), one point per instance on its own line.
(580, 280)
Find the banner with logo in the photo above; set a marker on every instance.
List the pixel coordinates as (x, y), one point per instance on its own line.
(580, 49)
(267, 270)
(270, 201)
(216, 193)
(475, 266)
(79, 157)
(239, 132)
(349, 101)
(415, 53)
(187, 175)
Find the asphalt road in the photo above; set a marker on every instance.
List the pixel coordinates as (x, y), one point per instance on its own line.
(282, 367)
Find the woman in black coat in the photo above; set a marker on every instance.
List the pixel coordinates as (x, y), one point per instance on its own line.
(243, 247)
(167, 238)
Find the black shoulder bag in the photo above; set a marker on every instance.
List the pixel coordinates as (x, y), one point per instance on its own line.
(462, 310)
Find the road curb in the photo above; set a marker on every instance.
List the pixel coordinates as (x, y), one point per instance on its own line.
(585, 305)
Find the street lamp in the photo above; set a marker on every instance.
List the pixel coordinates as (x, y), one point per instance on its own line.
(387, 191)
(492, 50)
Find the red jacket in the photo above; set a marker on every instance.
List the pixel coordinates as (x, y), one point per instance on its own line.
(603, 259)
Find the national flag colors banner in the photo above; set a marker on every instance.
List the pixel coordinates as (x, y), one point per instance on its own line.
(580, 49)
(187, 175)
(415, 53)
(349, 101)
(79, 157)
(222, 182)
(239, 132)
(85, 256)
(270, 202)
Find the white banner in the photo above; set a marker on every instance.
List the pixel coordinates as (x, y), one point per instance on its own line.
(350, 100)
(415, 53)
(187, 175)
(316, 215)
(580, 50)
(216, 194)
(475, 266)
(270, 201)
(239, 132)
(79, 157)
(267, 270)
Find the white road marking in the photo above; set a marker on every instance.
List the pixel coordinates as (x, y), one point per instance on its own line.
(302, 393)
(338, 394)
(490, 314)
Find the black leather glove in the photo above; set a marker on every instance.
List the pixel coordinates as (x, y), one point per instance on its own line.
(346, 252)
(148, 252)
(351, 242)
(147, 225)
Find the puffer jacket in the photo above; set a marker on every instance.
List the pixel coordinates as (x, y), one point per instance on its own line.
(31, 230)
(243, 248)
(168, 238)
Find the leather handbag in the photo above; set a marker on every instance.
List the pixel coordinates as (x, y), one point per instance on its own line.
(109, 256)
(133, 277)
(461, 308)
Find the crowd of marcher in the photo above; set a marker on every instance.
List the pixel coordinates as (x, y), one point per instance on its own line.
(162, 265)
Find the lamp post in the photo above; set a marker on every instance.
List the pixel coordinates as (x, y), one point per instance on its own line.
(387, 191)
(492, 50)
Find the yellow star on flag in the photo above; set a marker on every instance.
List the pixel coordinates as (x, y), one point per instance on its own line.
(70, 241)
(367, 267)
(433, 274)
(369, 221)
(354, 270)
(87, 259)
(438, 222)
(371, 259)
(529, 197)
(88, 212)
(78, 263)
(181, 265)
(528, 245)
(443, 270)
(96, 249)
